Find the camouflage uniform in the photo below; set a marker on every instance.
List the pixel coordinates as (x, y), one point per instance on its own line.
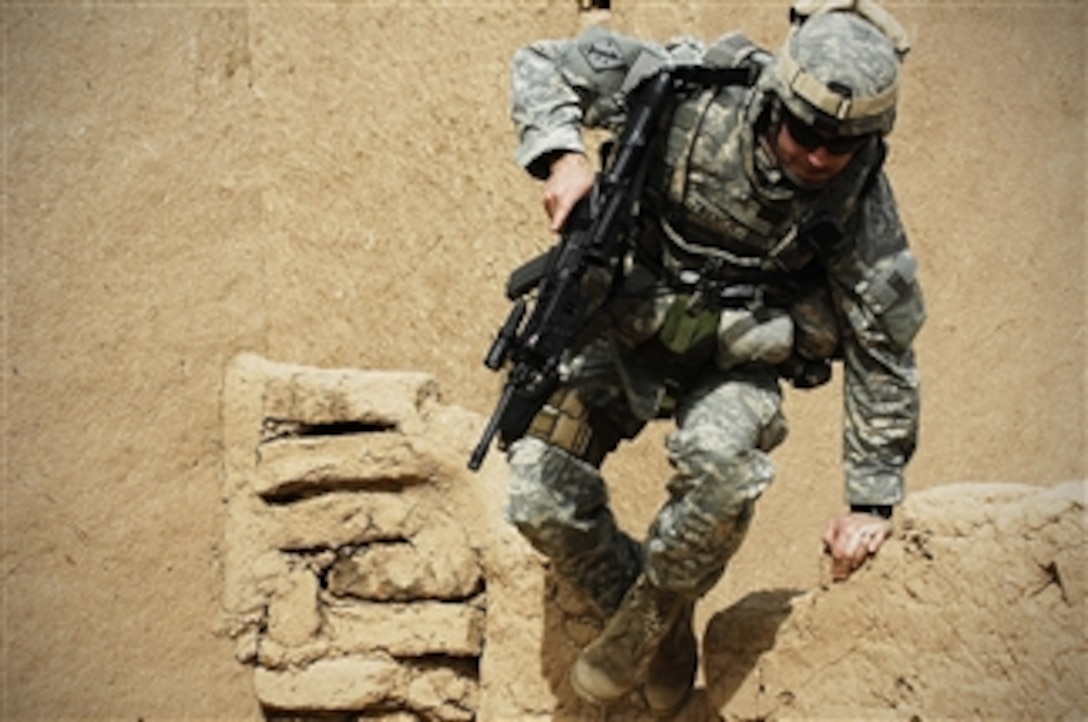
(714, 190)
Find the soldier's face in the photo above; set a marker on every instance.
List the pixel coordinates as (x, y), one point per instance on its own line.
(809, 155)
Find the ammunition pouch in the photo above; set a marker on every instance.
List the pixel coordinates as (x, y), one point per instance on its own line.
(688, 330)
(760, 335)
(566, 422)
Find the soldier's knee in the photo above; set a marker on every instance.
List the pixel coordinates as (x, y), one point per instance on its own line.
(549, 487)
(712, 457)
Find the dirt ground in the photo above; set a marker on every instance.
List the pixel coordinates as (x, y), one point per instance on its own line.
(332, 184)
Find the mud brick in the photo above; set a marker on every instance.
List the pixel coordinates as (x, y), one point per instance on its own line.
(415, 629)
(341, 519)
(444, 694)
(307, 466)
(329, 397)
(426, 567)
(293, 614)
(340, 684)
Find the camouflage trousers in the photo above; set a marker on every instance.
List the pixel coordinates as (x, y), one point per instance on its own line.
(727, 422)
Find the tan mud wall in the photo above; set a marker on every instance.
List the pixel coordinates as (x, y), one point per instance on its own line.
(332, 184)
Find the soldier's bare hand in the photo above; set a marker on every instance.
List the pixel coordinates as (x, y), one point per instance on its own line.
(570, 180)
(851, 538)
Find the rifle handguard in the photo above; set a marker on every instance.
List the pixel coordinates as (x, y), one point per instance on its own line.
(500, 348)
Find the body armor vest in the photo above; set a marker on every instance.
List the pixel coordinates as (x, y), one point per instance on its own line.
(717, 193)
(732, 237)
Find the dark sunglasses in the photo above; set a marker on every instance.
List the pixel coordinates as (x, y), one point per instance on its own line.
(810, 139)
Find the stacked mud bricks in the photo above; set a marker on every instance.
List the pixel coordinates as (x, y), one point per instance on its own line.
(352, 584)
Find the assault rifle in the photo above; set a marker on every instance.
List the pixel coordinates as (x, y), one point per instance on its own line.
(533, 344)
(596, 234)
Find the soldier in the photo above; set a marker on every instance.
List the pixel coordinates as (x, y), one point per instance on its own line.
(771, 194)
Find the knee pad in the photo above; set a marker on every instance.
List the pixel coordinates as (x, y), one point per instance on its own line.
(549, 487)
(711, 453)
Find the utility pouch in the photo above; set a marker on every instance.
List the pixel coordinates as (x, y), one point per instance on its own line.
(762, 335)
(891, 292)
(816, 328)
(564, 422)
(684, 331)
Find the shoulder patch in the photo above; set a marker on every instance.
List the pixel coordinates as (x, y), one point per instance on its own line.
(604, 54)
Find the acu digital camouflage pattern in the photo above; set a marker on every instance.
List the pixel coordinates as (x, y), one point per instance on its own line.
(714, 192)
(727, 423)
(840, 71)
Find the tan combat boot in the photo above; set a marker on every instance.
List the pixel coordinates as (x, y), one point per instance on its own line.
(672, 672)
(616, 662)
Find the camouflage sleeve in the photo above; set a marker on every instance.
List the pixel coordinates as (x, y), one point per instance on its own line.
(560, 86)
(875, 280)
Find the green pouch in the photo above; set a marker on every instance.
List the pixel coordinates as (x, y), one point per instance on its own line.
(684, 331)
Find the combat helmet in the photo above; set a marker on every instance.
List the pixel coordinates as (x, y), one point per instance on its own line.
(839, 66)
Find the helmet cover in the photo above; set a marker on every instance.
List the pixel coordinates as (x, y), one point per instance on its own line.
(839, 71)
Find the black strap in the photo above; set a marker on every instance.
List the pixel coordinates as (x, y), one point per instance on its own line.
(883, 510)
(709, 77)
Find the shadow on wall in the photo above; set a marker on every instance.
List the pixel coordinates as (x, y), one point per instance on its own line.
(570, 623)
(734, 641)
(737, 637)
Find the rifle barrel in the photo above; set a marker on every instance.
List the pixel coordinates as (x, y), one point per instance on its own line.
(492, 428)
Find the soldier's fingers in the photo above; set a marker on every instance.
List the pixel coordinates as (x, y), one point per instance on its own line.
(848, 556)
(558, 213)
(840, 569)
(851, 550)
(877, 539)
(549, 204)
(854, 541)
